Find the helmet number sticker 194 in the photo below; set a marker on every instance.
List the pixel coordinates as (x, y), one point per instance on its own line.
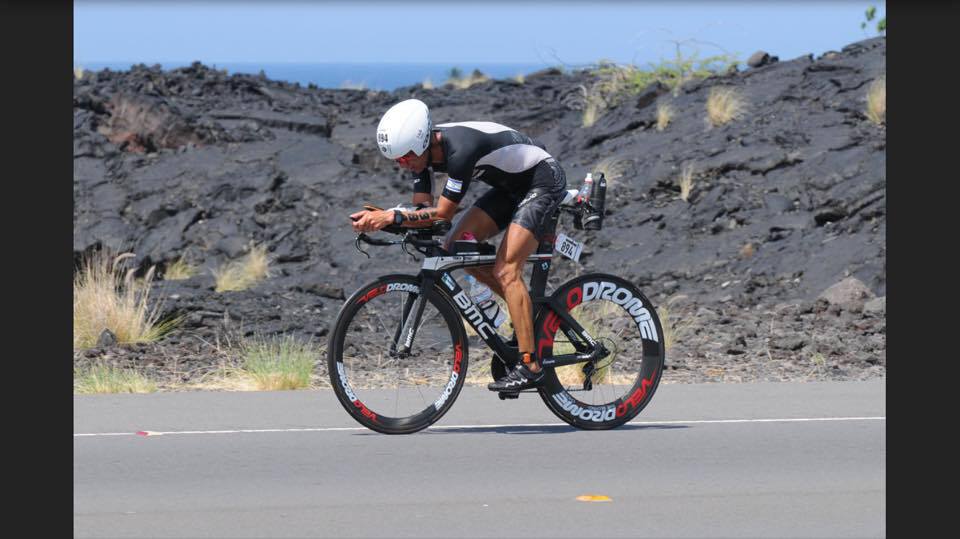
(568, 247)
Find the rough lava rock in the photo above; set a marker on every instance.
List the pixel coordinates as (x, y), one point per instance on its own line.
(876, 306)
(850, 294)
(787, 200)
(761, 58)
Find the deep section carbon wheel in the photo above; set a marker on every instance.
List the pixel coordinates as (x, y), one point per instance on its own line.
(612, 390)
(382, 387)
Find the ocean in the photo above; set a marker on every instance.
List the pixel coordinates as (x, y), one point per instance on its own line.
(373, 76)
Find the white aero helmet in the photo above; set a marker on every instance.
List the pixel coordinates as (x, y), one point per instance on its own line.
(404, 127)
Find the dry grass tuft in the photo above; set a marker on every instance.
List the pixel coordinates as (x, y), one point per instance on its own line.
(747, 250)
(350, 85)
(78, 72)
(179, 270)
(724, 104)
(106, 297)
(228, 374)
(478, 375)
(519, 78)
(669, 333)
(109, 379)
(590, 113)
(613, 168)
(462, 83)
(664, 115)
(427, 84)
(674, 326)
(278, 363)
(714, 372)
(244, 273)
(686, 182)
(224, 379)
(594, 103)
(877, 101)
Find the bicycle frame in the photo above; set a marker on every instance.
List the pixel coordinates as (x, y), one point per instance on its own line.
(437, 268)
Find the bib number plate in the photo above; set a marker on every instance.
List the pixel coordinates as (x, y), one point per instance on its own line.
(568, 247)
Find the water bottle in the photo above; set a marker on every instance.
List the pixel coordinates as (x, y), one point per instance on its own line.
(594, 220)
(483, 297)
(585, 189)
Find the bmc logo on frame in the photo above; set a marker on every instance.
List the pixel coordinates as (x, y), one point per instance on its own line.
(472, 314)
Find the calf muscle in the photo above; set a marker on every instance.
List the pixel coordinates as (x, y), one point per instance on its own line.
(518, 244)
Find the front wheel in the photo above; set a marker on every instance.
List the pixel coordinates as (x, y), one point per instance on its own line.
(612, 390)
(388, 391)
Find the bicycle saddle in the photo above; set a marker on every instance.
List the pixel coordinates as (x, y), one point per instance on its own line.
(472, 247)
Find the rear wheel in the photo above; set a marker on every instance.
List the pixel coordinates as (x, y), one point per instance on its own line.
(381, 390)
(612, 390)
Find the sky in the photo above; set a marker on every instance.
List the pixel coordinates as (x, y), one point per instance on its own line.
(570, 32)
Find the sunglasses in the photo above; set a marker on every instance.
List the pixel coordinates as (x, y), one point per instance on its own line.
(404, 159)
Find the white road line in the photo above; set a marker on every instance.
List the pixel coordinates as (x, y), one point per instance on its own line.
(450, 427)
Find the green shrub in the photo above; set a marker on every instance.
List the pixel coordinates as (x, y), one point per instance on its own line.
(100, 378)
(278, 362)
(618, 82)
(869, 15)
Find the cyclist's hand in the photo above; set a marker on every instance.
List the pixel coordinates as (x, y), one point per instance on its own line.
(370, 221)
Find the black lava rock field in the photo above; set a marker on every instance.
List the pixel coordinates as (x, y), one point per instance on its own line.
(768, 264)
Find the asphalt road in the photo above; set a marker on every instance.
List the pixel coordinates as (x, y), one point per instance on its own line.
(708, 460)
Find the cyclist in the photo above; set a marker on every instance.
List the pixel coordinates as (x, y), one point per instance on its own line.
(527, 185)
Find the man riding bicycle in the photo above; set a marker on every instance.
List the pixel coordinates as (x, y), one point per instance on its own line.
(527, 185)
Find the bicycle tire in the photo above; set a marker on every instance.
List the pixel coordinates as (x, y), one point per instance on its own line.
(350, 373)
(637, 316)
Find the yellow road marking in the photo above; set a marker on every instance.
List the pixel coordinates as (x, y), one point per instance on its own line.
(594, 498)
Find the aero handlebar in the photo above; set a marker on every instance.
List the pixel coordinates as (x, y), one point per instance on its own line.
(419, 237)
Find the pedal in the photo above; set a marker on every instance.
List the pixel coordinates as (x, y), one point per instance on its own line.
(505, 395)
(498, 367)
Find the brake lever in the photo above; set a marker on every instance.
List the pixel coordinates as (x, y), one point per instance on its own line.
(360, 237)
(404, 247)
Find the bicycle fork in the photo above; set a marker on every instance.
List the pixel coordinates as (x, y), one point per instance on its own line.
(407, 328)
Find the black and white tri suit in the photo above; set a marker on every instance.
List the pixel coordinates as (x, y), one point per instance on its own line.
(527, 182)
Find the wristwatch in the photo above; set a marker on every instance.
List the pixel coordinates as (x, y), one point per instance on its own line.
(397, 217)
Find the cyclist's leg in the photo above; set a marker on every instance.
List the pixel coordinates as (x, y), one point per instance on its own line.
(474, 220)
(518, 244)
(521, 240)
(489, 215)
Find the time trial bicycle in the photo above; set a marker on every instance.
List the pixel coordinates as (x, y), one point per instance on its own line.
(397, 356)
